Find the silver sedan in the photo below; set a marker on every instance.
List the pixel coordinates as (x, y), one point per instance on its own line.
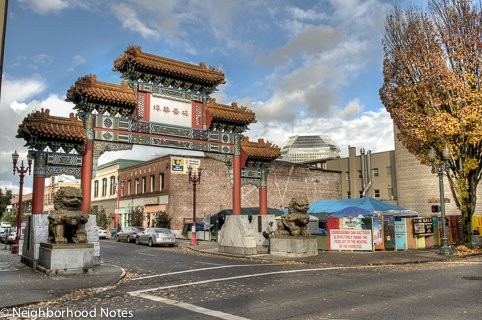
(156, 236)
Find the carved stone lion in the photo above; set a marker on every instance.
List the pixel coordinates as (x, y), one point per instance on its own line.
(67, 223)
(295, 223)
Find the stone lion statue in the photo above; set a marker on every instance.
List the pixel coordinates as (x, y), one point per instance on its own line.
(67, 223)
(295, 223)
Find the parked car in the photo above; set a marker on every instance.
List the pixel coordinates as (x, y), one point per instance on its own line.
(156, 236)
(8, 236)
(129, 234)
(102, 233)
(2, 232)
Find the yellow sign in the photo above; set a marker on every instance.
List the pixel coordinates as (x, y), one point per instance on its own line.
(181, 165)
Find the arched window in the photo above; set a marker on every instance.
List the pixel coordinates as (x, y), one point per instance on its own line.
(96, 188)
(104, 187)
(112, 185)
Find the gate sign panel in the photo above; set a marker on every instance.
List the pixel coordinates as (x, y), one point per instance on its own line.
(171, 112)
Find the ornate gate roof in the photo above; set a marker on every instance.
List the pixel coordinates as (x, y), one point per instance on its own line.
(88, 94)
(41, 130)
(137, 65)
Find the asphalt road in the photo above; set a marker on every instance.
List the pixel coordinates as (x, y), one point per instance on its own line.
(174, 283)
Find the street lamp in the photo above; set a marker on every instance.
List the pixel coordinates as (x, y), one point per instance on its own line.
(118, 191)
(194, 180)
(440, 168)
(21, 172)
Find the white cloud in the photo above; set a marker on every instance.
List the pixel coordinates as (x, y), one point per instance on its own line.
(130, 20)
(373, 130)
(45, 6)
(20, 90)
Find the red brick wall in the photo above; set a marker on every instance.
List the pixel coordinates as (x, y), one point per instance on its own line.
(285, 180)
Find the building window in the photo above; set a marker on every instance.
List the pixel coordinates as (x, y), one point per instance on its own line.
(161, 181)
(348, 195)
(96, 188)
(377, 193)
(153, 182)
(359, 174)
(112, 185)
(375, 172)
(390, 193)
(389, 171)
(144, 185)
(129, 187)
(137, 186)
(104, 187)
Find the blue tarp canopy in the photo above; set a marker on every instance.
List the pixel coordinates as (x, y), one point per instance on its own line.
(369, 204)
(352, 212)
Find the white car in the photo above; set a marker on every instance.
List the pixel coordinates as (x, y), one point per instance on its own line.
(102, 233)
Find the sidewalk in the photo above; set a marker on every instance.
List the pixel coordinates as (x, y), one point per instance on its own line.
(336, 258)
(21, 285)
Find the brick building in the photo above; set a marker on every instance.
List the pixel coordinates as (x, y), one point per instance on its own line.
(157, 185)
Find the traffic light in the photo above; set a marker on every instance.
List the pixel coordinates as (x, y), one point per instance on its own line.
(435, 209)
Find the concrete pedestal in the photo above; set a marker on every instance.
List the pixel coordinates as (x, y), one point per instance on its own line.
(294, 247)
(37, 231)
(66, 258)
(238, 236)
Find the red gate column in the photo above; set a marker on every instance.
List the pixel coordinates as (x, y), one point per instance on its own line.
(39, 170)
(263, 193)
(237, 175)
(87, 162)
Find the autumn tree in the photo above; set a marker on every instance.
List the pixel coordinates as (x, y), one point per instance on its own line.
(162, 220)
(432, 88)
(5, 198)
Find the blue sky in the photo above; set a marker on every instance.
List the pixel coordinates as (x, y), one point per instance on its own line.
(304, 67)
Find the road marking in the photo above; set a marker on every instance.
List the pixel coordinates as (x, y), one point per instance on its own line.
(244, 277)
(201, 269)
(209, 263)
(148, 254)
(193, 308)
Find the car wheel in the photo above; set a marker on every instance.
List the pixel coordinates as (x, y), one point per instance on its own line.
(171, 245)
(138, 241)
(150, 242)
(128, 239)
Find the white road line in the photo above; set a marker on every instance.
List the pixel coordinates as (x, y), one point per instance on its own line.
(193, 308)
(148, 254)
(210, 263)
(245, 276)
(201, 269)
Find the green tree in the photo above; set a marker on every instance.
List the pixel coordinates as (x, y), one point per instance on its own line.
(102, 219)
(136, 216)
(5, 200)
(162, 220)
(432, 89)
(10, 217)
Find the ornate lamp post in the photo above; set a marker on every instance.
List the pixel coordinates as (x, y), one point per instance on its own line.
(118, 190)
(22, 170)
(194, 180)
(440, 168)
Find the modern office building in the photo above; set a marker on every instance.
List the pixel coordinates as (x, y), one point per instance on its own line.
(300, 148)
(367, 174)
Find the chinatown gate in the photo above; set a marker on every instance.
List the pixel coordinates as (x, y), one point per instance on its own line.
(162, 103)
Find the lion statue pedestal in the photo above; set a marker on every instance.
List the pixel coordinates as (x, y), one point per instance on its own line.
(291, 238)
(67, 250)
